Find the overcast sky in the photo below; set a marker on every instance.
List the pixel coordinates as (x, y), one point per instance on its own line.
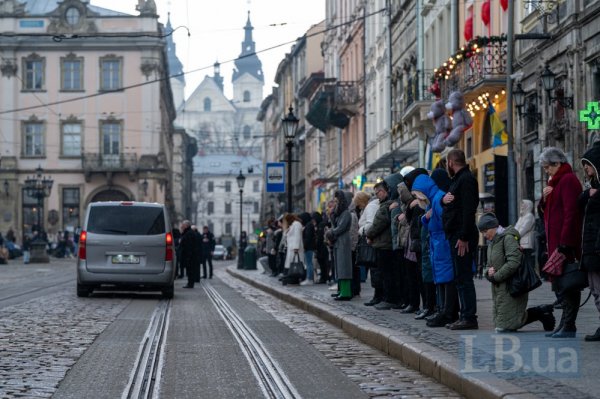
(217, 31)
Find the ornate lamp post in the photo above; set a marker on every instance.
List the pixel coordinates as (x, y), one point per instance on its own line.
(241, 180)
(39, 187)
(290, 127)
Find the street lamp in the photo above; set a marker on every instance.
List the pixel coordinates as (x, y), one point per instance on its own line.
(549, 82)
(290, 126)
(241, 179)
(519, 96)
(39, 187)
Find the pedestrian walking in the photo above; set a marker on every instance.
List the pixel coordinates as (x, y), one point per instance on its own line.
(460, 206)
(188, 251)
(340, 240)
(562, 220)
(208, 247)
(589, 204)
(504, 257)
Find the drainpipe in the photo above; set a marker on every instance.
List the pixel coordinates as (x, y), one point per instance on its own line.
(421, 79)
(388, 86)
(510, 158)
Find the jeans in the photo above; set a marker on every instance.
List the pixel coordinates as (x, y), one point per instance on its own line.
(26, 255)
(308, 261)
(463, 276)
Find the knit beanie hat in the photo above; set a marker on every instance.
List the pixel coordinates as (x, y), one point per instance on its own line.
(487, 221)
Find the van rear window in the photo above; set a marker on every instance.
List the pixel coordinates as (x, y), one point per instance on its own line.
(126, 220)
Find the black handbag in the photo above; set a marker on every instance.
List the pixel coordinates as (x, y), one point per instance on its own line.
(572, 278)
(296, 267)
(365, 253)
(524, 280)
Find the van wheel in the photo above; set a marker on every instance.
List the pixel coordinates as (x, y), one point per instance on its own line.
(169, 292)
(83, 291)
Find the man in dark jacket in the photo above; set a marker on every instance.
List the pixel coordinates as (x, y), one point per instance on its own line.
(187, 247)
(379, 235)
(321, 251)
(208, 247)
(460, 206)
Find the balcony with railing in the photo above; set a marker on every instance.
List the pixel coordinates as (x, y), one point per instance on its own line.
(479, 64)
(348, 96)
(109, 164)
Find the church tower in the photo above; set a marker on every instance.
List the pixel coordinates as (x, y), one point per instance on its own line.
(175, 66)
(248, 82)
(248, 79)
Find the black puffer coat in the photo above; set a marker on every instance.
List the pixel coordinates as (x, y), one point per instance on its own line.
(589, 206)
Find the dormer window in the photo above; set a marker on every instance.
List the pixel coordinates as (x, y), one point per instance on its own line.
(72, 16)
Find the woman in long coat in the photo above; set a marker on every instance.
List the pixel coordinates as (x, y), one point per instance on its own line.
(563, 221)
(293, 236)
(504, 259)
(589, 203)
(339, 235)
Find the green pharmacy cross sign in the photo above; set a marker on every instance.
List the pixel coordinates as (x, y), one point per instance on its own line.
(591, 115)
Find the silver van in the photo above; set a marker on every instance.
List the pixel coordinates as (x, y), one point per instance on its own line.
(127, 246)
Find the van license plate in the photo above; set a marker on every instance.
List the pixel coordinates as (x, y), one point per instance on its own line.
(120, 259)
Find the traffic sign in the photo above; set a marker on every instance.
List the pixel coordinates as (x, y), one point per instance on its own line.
(275, 177)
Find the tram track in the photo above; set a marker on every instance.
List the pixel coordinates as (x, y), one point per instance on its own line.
(145, 377)
(273, 382)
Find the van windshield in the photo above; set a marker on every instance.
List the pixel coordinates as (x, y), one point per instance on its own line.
(126, 220)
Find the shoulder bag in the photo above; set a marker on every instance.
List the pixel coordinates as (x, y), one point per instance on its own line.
(572, 278)
(296, 267)
(365, 253)
(524, 280)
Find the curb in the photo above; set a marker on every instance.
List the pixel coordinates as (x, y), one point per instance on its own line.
(413, 353)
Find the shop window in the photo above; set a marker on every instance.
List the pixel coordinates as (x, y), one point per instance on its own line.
(70, 208)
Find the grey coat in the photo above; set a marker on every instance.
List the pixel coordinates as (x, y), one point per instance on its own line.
(340, 236)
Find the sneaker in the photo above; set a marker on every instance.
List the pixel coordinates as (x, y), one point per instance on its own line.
(333, 287)
(306, 282)
(423, 314)
(464, 325)
(383, 306)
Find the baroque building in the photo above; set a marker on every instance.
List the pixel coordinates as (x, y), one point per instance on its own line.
(88, 104)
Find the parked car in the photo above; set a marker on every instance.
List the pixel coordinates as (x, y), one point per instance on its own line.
(220, 252)
(127, 246)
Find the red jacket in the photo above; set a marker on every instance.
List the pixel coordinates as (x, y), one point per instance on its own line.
(562, 218)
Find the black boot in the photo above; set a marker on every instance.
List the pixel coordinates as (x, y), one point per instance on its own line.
(593, 337)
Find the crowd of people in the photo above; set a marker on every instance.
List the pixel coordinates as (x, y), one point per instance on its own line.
(425, 229)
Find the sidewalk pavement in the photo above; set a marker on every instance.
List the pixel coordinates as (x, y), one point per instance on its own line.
(476, 363)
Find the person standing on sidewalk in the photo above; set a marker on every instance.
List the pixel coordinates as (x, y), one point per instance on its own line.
(208, 248)
(563, 226)
(460, 206)
(439, 252)
(339, 237)
(503, 259)
(369, 206)
(379, 235)
(310, 242)
(589, 204)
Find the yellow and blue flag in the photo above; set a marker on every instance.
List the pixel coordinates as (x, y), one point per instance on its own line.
(499, 135)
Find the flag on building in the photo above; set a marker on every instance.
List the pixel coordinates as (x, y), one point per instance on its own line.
(499, 135)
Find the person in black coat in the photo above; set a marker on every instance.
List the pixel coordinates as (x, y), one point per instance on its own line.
(187, 248)
(460, 206)
(322, 253)
(208, 247)
(589, 204)
(176, 240)
(197, 253)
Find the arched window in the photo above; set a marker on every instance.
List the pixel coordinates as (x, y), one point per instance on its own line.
(207, 104)
(246, 96)
(247, 131)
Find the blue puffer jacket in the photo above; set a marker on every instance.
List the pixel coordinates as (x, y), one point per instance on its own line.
(439, 248)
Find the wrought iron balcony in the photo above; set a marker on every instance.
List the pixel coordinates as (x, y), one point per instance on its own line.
(348, 96)
(474, 67)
